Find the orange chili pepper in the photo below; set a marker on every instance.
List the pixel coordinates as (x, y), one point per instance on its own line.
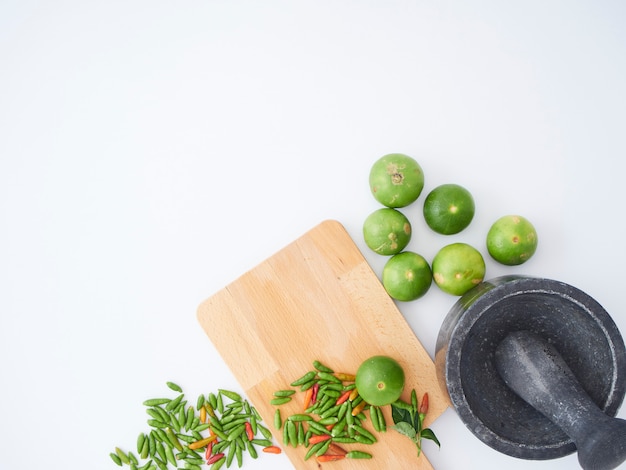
(329, 458)
(343, 397)
(345, 377)
(308, 395)
(209, 409)
(358, 408)
(424, 405)
(354, 394)
(319, 438)
(203, 415)
(272, 450)
(202, 442)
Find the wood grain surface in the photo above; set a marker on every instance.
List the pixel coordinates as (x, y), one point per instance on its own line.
(318, 299)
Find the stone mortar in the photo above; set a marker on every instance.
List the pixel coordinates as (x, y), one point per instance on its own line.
(567, 318)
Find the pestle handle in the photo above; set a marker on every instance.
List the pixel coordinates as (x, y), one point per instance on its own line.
(535, 370)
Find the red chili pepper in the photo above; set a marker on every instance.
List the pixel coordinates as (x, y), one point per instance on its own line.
(316, 388)
(209, 450)
(272, 450)
(249, 431)
(214, 458)
(336, 450)
(343, 397)
(319, 438)
(424, 405)
(329, 458)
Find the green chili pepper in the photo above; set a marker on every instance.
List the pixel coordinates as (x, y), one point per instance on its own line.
(357, 454)
(262, 442)
(374, 418)
(236, 432)
(228, 394)
(313, 450)
(321, 367)
(116, 458)
(145, 449)
(307, 385)
(315, 426)
(251, 450)
(280, 401)
(278, 421)
(301, 433)
(174, 403)
(174, 386)
(169, 454)
(381, 419)
(329, 377)
(217, 465)
(157, 424)
(200, 401)
(300, 417)
(305, 378)
(292, 433)
(325, 445)
(267, 434)
(188, 417)
(364, 432)
(156, 401)
(173, 439)
(230, 454)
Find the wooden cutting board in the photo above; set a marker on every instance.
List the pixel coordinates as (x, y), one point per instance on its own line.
(318, 299)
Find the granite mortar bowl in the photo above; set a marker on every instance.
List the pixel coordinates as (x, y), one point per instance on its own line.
(567, 318)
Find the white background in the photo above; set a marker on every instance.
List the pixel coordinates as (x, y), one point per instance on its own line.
(153, 151)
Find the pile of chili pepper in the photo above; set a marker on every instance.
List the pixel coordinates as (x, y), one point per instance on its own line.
(234, 428)
(332, 416)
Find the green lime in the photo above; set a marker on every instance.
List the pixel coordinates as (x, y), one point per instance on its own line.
(380, 380)
(407, 276)
(448, 209)
(396, 180)
(457, 268)
(387, 231)
(512, 240)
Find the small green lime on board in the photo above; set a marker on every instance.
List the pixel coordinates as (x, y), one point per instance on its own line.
(380, 380)
(396, 180)
(512, 240)
(449, 209)
(387, 231)
(407, 276)
(457, 268)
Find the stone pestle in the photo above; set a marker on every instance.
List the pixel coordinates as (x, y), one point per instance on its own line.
(535, 371)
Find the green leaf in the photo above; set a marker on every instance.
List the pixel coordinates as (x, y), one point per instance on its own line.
(400, 414)
(429, 434)
(405, 429)
(410, 423)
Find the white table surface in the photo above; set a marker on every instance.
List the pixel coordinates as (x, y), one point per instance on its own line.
(153, 151)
